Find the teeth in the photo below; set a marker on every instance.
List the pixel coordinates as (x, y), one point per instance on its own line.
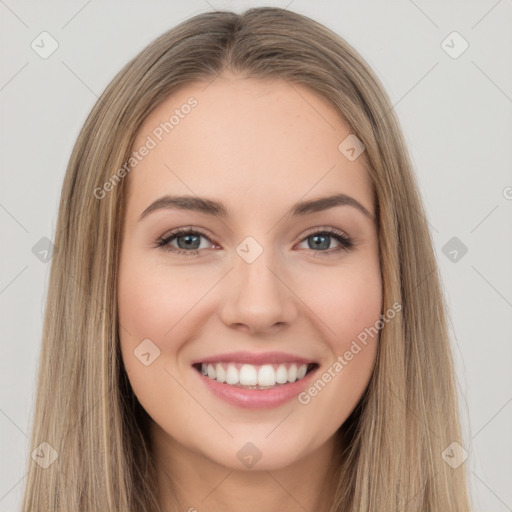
(249, 375)
(266, 376)
(292, 373)
(232, 375)
(282, 374)
(220, 373)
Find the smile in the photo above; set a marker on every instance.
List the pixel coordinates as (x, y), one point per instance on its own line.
(251, 376)
(251, 386)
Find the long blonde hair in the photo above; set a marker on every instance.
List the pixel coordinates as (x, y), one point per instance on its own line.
(85, 408)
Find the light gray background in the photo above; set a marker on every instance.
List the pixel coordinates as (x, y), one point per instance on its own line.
(457, 118)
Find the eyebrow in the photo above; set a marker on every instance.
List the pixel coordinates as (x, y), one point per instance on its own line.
(210, 207)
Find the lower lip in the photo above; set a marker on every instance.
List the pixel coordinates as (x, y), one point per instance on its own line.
(255, 398)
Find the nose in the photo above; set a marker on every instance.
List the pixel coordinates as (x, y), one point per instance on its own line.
(257, 299)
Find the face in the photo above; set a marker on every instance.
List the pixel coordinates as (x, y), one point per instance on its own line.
(238, 274)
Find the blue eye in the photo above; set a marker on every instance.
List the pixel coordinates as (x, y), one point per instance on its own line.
(189, 242)
(320, 237)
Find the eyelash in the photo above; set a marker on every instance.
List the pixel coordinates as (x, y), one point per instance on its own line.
(345, 242)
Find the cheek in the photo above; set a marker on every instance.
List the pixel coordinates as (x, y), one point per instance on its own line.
(150, 305)
(347, 301)
(153, 299)
(145, 307)
(349, 308)
(160, 304)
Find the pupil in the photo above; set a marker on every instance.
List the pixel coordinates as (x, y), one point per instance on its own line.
(189, 240)
(325, 245)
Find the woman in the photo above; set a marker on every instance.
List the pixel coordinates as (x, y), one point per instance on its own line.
(244, 309)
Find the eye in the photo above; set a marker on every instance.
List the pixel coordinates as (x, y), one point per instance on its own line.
(320, 241)
(187, 239)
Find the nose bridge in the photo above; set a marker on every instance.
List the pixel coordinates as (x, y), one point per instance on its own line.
(256, 294)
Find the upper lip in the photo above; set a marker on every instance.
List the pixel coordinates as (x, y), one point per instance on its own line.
(254, 358)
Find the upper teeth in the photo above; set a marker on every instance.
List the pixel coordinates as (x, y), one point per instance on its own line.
(252, 375)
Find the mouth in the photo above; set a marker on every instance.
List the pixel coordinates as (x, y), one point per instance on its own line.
(255, 377)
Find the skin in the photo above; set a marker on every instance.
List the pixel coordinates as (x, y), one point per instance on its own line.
(258, 147)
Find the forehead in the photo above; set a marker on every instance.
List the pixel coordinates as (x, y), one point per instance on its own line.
(247, 141)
